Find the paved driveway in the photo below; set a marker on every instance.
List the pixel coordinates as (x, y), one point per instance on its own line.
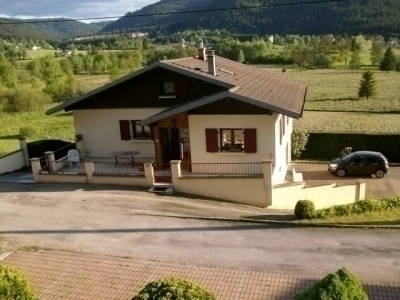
(317, 174)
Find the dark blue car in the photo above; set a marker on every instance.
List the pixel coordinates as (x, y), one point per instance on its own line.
(360, 163)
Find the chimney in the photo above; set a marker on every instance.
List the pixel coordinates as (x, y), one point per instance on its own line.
(202, 53)
(211, 62)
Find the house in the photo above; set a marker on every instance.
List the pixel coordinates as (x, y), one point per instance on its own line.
(36, 48)
(203, 109)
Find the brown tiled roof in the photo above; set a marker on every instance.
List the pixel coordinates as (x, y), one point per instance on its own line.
(251, 82)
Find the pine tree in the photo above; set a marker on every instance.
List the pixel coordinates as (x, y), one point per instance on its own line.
(367, 85)
(240, 57)
(388, 62)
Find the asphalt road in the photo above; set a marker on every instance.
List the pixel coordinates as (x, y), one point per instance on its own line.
(107, 222)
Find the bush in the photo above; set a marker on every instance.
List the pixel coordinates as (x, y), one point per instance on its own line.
(13, 285)
(28, 131)
(38, 148)
(323, 146)
(23, 100)
(299, 142)
(173, 288)
(304, 209)
(339, 285)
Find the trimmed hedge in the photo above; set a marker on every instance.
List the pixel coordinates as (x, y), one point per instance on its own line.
(335, 286)
(13, 285)
(38, 148)
(326, 146)
(173, 289)
(304, 209)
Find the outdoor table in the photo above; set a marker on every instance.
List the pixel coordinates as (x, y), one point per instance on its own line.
(130, 155)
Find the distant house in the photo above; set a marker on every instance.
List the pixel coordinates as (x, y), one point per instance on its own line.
(270, 38)
(36, 48)
(65, 53)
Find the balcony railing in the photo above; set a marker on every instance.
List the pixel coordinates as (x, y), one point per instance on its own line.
(62, 152)
(62, 167)
(117, 168)
(222, 169)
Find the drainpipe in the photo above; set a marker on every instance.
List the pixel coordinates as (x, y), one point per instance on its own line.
(211, 62)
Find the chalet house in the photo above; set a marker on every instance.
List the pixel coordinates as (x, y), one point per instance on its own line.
(204, 109)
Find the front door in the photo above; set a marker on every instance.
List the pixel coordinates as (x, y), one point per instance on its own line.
(169, 139)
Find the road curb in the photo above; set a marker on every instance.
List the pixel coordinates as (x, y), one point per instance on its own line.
(271, 222)
(4, 255)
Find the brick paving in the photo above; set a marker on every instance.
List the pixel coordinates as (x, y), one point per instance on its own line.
(315, 174)
(71, 275)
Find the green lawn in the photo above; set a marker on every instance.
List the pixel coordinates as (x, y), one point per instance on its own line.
(336, 89)
(341, 122)
(49, 127)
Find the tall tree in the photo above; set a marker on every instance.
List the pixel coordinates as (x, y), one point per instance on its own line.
(388, 62)
(355, 61)
(367, 85)
(377, 53)
(240, 57)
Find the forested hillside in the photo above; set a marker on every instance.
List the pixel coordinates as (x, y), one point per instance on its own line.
(45, 30)
(352, 17)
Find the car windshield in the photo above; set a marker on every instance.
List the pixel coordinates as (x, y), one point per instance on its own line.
(347, 156)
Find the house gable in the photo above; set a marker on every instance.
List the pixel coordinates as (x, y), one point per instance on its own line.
(146, 91)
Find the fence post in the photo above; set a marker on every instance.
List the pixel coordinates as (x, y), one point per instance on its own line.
(89, 169)
(24, 147)
(36, 168)
(149, 174)
(175, 171)
(267, 176)
(50, 161)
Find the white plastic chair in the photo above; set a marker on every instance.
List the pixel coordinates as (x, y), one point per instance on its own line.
(73, 156)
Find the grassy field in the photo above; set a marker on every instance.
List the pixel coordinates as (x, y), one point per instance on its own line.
(349, 122)
(49, 127)
(336, 90)
(41, 53)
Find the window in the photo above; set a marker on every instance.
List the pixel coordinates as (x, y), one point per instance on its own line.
(133, 130)
(232, 140)
(358, 159)
(167, 89)
(140, 132)
(281, 130)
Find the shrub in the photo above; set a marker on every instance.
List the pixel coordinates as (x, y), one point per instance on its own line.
(339, 285)
(13, 285)
(360, 207)
(23, 100)
(28, 131)
(38, 148)
(304, 209)
(299, 142)
(173, 288)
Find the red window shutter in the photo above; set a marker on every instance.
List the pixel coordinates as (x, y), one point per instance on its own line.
(125, 130)
(250, 140)
(212, 140)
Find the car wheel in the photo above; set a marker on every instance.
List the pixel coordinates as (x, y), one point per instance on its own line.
(379, 173)
(341, 172)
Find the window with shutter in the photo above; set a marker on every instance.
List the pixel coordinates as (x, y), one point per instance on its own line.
(250, 140)
(124, 127)
(212, 140)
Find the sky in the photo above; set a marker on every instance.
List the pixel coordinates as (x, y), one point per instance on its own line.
(74, 9)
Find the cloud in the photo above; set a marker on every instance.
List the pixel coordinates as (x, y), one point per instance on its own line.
(70, 9)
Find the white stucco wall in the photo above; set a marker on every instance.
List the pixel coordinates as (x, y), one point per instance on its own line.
(12, 161)
(101, 133)
(267, 133)
(282, 149)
